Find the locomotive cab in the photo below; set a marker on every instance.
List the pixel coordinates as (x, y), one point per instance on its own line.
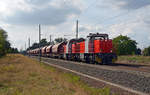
(101, 47)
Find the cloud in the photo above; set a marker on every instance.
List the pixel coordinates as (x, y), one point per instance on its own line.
(134, 4)
(147, 21)
(85, 29)
(45, 13)
(37, 2)
(4, 25)
(121, 29)
(20, 19)
(89, 28)
(8, 7)
(136, 28)
(49, 15)
(124, 4)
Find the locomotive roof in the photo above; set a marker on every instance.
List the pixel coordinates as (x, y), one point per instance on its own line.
(76, 40)
(98, 35)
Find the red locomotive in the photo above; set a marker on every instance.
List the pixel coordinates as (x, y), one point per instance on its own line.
(96, 48)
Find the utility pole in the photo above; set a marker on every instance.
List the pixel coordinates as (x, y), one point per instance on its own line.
(29, 44)
(25, 46)
(50, 39)
(77, 29)
(39, 42)
(25, 49)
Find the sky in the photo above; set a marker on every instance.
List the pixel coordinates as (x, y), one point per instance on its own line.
(20, 18)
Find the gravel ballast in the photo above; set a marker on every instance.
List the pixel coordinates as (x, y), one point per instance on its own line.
(135, 81)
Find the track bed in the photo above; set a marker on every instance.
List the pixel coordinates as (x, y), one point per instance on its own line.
(131, 78)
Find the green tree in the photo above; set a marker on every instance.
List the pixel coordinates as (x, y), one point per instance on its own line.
(124, 45)
(4, 44)
(59, 40)
(146, 51)
(35, 45)
(7, 46)
(13, 50)
(43, 42)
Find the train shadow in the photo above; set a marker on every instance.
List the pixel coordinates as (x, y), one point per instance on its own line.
(127, 65)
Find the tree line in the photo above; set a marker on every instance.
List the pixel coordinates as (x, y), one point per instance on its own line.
(5, 46)
(124, 45)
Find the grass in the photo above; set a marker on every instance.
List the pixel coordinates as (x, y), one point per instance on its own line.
(134, 59)
(20, 75)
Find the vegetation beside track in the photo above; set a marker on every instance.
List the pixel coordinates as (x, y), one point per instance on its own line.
(134, 59)
(5, 46)
(20, 75)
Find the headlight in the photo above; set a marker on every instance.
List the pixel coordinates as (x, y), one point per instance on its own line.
(111, 51)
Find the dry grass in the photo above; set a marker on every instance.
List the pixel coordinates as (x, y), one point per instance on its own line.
(20, 75)
(134, 59)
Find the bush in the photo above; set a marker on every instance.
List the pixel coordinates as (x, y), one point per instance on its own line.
(5, 46)
(146, 51)
(124, 45)
(3, 37)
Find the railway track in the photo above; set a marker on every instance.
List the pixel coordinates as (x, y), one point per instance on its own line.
(133, 81)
